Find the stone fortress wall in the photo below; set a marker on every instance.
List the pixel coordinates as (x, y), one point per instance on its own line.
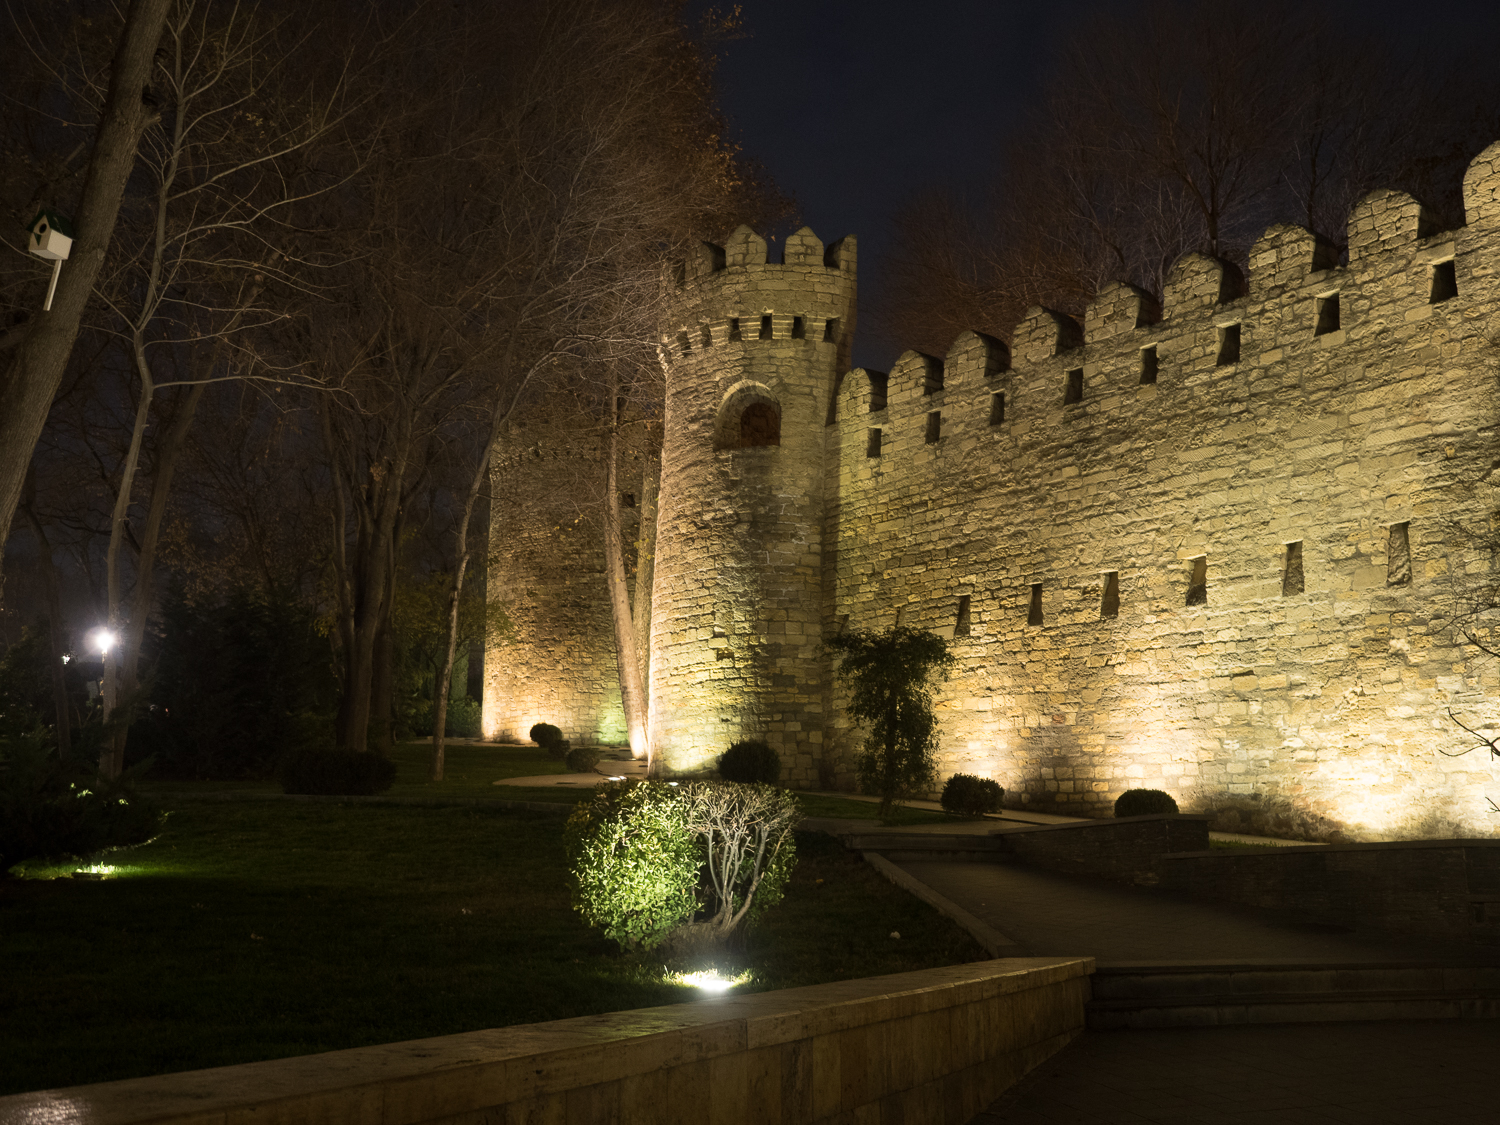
(738, 602)
(1205, 546)
(546, 568)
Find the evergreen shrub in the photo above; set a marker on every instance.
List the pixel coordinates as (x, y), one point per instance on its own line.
(634, 862)
(550, 739)
(749, 762)
(583, 759)
(1144, 802)
(337, 773)
(970, 796)
(464, 715)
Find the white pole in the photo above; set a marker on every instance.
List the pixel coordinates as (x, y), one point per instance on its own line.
(52, 288)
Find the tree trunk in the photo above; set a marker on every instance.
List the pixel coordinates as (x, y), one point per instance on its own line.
(632, 696)
(54, 621)
(645, 563)
(37, 367)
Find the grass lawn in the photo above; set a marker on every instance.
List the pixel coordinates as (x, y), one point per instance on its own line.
(472, 771)
(259, 930)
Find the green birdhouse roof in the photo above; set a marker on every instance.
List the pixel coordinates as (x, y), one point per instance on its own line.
(59, 223)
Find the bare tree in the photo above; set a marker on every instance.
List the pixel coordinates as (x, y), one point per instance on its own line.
(36, 369)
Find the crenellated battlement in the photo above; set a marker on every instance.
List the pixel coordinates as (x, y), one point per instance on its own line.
(1203, 543)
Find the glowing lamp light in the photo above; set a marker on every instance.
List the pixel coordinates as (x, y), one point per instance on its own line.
(709, 981)
(103, 640)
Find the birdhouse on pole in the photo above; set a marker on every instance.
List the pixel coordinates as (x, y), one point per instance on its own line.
(50, 236)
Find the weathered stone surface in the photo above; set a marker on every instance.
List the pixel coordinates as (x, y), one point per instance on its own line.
(1347, 410)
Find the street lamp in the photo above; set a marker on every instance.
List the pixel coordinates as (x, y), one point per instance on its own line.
(103, 640)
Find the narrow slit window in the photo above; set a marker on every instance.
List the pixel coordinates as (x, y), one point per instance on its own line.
(1149, 365)
(934, 426)
(765, 328)
(1291, 573)
(1398, 556)
(879, 382)
(1229, 345)
(1328, 315)
(932, 378)
(872, 443)
(734, 328)
(997, 409)
(707, 337)
(1198, 581)
(831, 330)
(1109, 605)
(961, 626)
(1074, 390)
(682, 343)
(1444, 282)
(1034, 606)
(799, 328)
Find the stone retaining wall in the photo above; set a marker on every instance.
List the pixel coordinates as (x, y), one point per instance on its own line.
(934, 1046)
(1124, 849)
(1443, 889)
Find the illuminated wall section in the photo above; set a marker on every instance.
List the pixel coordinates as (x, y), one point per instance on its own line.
(1205, 547)
(751, 351)
(546, 569)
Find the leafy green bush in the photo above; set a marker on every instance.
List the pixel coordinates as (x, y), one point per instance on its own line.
(1144, 802)
(52, 809)
(749, 762)
(634, 862)
(967, 795)
(544, 734)
(583, 759)
(340, 773)
(647, 857)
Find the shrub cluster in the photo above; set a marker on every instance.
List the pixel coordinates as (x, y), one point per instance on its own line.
(582, 759)
(647, 857)
(967, 795)
(749, 762)
(1144, 802)
(550, 739)
(55, 809)
(337, 773)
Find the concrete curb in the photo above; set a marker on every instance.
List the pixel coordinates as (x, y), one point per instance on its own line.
(998, 944)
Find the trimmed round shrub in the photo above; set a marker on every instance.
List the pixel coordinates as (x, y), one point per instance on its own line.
(544, 734)
(583, 759)
(634, 861)
(337, 773)
(967, 795)
(1144, 802)
(750, 762)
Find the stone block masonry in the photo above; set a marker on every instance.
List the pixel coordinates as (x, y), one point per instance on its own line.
(1208, 548)
(1209, 544)
(936, 1046)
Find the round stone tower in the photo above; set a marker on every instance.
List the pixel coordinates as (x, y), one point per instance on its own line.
(752, 355)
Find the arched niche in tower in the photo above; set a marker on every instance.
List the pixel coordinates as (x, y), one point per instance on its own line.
(749, 418)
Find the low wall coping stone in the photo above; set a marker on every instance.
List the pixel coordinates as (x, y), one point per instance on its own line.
(424, 1079)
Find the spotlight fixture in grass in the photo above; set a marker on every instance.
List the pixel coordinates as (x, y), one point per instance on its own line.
(709, 980)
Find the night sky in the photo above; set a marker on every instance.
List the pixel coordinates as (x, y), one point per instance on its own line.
(853, 106)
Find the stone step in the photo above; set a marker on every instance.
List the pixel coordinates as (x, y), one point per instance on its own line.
(1140, 996)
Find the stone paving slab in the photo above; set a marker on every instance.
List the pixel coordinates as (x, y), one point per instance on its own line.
(1051, 914)
(1407, 1072)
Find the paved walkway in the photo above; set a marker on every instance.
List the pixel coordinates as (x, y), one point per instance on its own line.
(1353, 1073)
(1068, 915)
